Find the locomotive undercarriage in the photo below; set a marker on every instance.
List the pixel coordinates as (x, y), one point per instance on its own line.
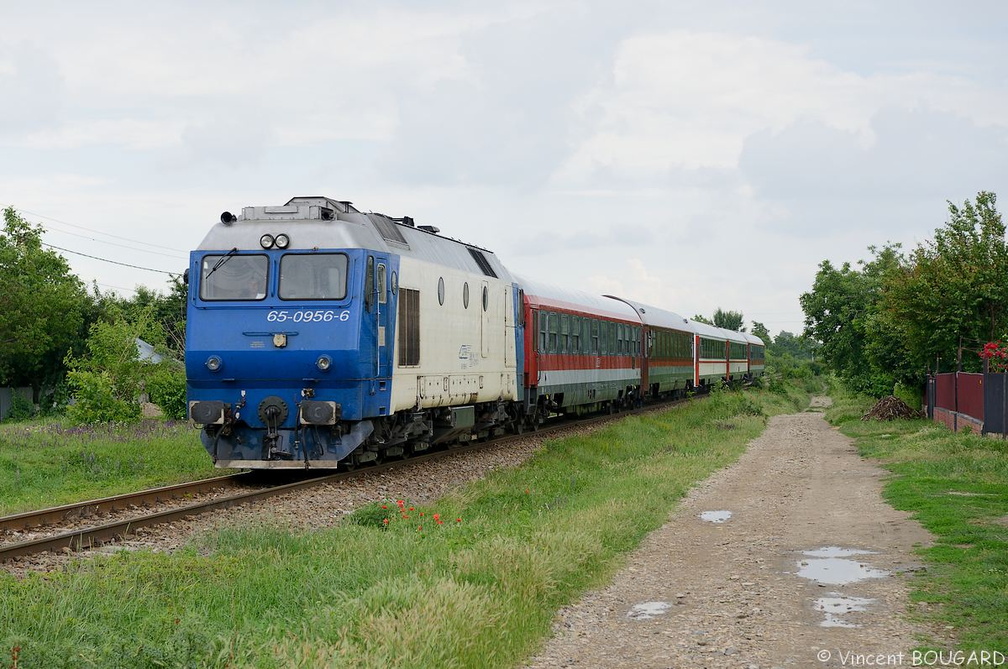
(233, 442)
(408, 433)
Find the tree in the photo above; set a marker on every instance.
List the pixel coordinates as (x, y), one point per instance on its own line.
(901, 316)
(841, 312)
(701, 319)
(729, 320)
(953, 291)
(760, 330)
(162, 314)
(42, 307)
(110, 377)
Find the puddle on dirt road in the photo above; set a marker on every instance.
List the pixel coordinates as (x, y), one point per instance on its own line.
(648, 610)
(836, 606)
(830, 565)
(715, 516)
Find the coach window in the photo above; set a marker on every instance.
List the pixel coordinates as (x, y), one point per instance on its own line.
(564, 332)
(553, 327)
(595, 337)
(465, 295)
(541, 321)
(575, 334)
(440, 290)
(234, 277)
(486, 298)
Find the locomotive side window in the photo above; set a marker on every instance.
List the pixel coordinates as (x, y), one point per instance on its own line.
(382, 295)
(369, 284)
(234, 277)
(316, 276)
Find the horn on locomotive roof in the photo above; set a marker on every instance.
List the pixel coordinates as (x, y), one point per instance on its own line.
(227, 218)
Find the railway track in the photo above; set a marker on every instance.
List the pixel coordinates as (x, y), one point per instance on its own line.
(90, 536)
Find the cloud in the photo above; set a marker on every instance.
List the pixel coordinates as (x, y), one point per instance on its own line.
(34, 90)
(825, 177)
(682, 100)
(507, 122)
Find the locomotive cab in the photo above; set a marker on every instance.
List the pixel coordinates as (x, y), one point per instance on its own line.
(286, 348)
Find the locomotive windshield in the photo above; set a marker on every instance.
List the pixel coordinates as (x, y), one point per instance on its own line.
(316, 276)
(234, 277)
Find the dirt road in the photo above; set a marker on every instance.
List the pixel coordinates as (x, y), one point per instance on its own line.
(788, 558)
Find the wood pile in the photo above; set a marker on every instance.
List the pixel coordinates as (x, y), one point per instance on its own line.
(891, 408)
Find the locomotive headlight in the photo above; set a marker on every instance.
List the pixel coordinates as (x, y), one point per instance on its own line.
(266, 241)
(214, 363)
(323, 363)
(282, 241)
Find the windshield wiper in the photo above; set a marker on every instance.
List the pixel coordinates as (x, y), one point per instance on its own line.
(230, 254)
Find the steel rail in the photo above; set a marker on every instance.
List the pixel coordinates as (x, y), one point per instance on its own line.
(81, 539)
(105, 505)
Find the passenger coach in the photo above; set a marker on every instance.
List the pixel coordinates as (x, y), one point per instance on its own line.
(668, 364)
(584, 353)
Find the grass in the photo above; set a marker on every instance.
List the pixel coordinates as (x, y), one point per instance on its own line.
(956, 486)
(480, 588)
(48, 463)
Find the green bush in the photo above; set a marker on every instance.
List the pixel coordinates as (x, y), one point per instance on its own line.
(107, 380)
(21, 408)
(96, 400)
(166, 386)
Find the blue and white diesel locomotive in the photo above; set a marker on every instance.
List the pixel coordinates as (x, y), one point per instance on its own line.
(318, 334)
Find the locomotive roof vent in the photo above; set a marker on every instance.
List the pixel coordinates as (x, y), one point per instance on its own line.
(288, 212)
(300, 208)
(339, 206)
(429, 228)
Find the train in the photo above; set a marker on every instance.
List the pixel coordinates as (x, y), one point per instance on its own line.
(322, 336)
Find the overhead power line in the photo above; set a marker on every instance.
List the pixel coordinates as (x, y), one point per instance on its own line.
(114, 262)
(99, 232)
(122, 246)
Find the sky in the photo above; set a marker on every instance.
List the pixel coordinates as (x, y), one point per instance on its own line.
(689, 155)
